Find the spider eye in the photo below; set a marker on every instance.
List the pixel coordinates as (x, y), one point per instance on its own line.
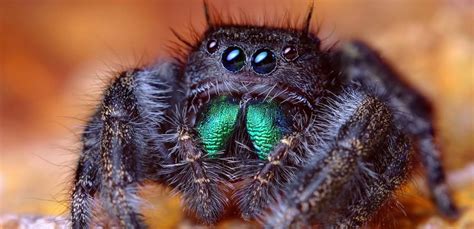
(263, 61)
(233, 59)
(290, 53)
(212, 46)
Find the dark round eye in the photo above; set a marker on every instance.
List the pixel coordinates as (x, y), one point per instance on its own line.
(233, 59)
(212, 46)
(290, 53)
(263, 61)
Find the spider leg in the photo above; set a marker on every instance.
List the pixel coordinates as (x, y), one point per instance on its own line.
(362, 66)
(263, 182)
(115, 144)
(197, 177)
(86, 182)
(380, 187)
(358, 146)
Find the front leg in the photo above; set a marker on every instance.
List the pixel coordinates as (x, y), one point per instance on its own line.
(360, 159)
(362, 66)
(116, 142)
(194, 173)
(264, 178)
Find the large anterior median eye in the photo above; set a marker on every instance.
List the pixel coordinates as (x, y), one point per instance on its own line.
(233, 59)
(263, 61)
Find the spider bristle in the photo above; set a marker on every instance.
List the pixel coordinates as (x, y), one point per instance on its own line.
(217, 18)
(186, 42)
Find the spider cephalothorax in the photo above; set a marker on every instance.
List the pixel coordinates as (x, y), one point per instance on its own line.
(264, 118)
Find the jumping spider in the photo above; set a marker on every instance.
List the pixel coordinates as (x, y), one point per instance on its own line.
(264, 118)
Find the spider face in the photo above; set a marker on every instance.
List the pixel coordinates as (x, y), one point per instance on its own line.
(246, 60)
(241, 82)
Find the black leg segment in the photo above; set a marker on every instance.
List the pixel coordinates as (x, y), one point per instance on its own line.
(116, 143)
(357, 147)
(363, 67)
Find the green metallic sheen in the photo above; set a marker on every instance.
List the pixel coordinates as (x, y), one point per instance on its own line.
(217, 125)
(262, 127)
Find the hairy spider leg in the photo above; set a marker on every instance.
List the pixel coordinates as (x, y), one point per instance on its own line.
(267, 175)
(363, 66)
(393, 174)
(264, 185)
(198, 177)
(116, 145)
(86, 180)
(357, 132)
(199, 172)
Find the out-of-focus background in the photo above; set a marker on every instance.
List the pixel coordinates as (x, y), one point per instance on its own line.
(56, 57)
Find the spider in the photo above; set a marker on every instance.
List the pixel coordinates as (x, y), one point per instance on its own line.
(263, 118)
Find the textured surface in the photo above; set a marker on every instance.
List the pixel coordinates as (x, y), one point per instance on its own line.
(217, 125)
(55, 56)
(262, 127)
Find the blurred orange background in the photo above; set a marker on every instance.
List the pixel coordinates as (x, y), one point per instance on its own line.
(56, 57)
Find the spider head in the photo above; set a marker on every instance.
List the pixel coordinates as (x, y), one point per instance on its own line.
(237, 60)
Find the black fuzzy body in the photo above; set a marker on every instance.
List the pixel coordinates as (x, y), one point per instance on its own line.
(354, 126)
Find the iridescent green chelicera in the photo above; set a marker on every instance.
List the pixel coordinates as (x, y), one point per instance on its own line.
(217, 125)
(219, 122)
(262, 127)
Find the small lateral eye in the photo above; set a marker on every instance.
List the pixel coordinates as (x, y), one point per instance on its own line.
(263, 61)
(290, 53)
(212, 46)
(233, 59)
